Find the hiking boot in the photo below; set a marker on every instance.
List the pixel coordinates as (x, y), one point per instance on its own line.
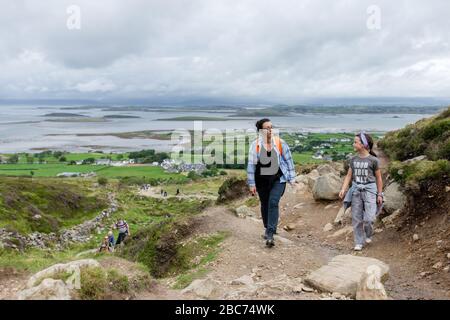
(368, 240)
(358, 247)
(270, 243)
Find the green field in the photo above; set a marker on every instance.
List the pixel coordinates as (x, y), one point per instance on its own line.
(51, 170)
(69, 157)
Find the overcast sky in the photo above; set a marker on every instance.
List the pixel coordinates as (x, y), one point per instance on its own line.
(279, 51)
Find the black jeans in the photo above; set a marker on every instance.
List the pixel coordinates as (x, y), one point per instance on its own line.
(121, 237)
(270, 193)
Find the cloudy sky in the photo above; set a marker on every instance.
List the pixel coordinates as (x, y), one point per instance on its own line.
(224, 50)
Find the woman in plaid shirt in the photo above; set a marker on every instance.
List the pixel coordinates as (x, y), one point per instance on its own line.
(270, 166)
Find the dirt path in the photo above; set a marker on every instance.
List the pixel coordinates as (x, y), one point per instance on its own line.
(276, 272)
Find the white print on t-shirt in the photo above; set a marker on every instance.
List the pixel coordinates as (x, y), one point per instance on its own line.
(361, 171)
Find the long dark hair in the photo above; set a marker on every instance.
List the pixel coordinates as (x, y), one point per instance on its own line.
(369, 142)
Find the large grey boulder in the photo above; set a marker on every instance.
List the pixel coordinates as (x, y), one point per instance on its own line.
(48, 289)
(205, 288)
(327, 187)
(394, 198)
(326, 169)
(312, 177)
(343, 274)
(69, 267)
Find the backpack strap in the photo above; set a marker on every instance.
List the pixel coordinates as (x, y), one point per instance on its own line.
(277, 141)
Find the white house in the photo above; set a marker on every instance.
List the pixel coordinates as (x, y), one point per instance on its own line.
(103, 162)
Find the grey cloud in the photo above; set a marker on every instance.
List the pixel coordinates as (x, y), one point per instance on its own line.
(278, 50)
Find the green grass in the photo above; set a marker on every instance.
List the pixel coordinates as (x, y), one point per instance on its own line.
(207, 248)
(33, 260)
(305, 158)
(51, 170)
(414, 173)
(59, 203)
(70, 156)
(44, 170)
(430, 137)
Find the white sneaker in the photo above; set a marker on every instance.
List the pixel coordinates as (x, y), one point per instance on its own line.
(368, 240)
(358, 247)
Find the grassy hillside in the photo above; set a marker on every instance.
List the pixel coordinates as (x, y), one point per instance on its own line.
(58, 203)
(430, 137)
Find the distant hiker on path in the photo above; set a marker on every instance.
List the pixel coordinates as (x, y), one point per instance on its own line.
(104, 246)
(111, 241)
(270, 166)
(124, 230)
(365, 196)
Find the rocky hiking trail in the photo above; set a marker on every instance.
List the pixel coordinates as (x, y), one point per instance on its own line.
(312, 259)
(308, 238)
(246, 269)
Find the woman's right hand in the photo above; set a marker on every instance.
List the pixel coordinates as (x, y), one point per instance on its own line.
(253, 190)
(342, 194)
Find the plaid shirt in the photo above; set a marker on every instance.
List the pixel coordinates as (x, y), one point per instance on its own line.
(285, 161)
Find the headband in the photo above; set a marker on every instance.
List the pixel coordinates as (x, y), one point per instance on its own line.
(364, 140)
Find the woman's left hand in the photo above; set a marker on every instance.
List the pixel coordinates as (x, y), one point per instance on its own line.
(379, 200)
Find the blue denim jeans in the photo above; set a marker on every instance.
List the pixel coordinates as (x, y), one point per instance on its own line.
(269, 196)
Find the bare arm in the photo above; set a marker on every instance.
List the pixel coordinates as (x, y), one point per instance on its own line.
(379, 185)
(379, 181)
(346, 183)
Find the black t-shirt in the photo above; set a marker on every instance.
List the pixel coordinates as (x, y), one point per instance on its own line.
(268, 167)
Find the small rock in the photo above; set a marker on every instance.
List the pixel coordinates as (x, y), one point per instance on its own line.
(446, 268)
(439, 242)
(447, 189)
(307, 289)
(244, 280)
(336, 295)
(289, 227)
(416, 237)
(298, 206)
(244, 211)
(329, 206)
(448, 255)
(389, 220)
(328, 227)
(298, 289)
(437, 265)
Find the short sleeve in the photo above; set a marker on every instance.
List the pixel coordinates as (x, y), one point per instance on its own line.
(376, 164)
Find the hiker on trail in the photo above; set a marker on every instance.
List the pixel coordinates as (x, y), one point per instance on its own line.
(365, 195)
(124, 230)
(270, 166)
(104, 246)
(162, 192)
(178, 191)
(165, 193)
(110, 241)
